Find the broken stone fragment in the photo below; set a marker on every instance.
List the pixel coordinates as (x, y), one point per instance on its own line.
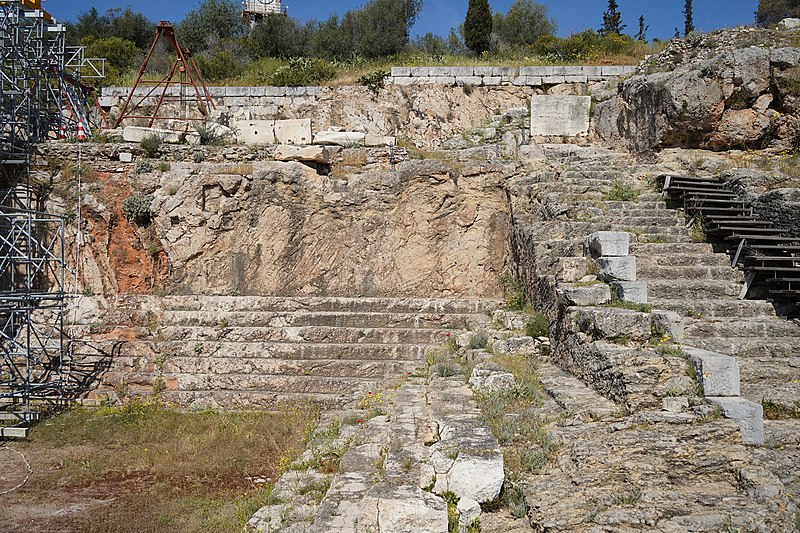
(488, 377)
(597, 294)
(616, 268)
(315, 154)
(341, 138)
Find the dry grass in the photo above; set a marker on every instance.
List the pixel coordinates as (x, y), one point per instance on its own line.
(144, 467)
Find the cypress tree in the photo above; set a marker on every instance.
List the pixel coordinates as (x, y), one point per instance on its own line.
(688, 25)
(612, 20)
(478, 26)
(640, 36)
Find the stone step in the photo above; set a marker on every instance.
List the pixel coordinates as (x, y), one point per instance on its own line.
(339, 304)
(309, 334)
(680, 259)
(560, 230)
(749, 347)
(681, 272)
(632, 221)
(690, 289)
(251, 400)
(266, 350)
(740, 327)
(661, 248)
(324, 319)
(774, 379)
(603, 210)
(573, 395)
(715, 308)
(343, 385)
(619, 206)
(261, 365)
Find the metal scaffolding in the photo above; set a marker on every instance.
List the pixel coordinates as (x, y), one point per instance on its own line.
(39, 77)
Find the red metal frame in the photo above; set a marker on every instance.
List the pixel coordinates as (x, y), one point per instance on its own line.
(185, 64)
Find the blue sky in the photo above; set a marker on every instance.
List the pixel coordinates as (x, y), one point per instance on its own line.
(440, 15)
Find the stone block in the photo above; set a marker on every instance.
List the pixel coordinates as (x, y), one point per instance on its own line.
(135, 134)
(789, 24)
(468, 512)
(274, 91)
(718, 373)
(571, 269)
(436, 72)
(612, 323)
(296, 91)
(614, 71)
(559, 115)
(608, 244)
(405, 80)
(469, 80)
(533, 71)
(340, 138)
(492, 80)
(295, 131)
(616, 268)
(667, 323)
(488, 377)
(553, 80)
(478, 476)
(582, 296)
(674, 404)
(237, 101)
(252, 132)
(398, 72)
(575, 78)
(125, 157)
(256, 92)
(482, 71)
(519, 345)
(107, 101)
(592, 73)
(404, 510)
(634, 292)
(462, 71)
(417, 72)
(236, 91)
(520, 81)
(316, 154)
(444, 80)
(372, 140)
(505, 72)
(749, 415)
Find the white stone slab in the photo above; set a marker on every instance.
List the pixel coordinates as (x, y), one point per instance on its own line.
(253, 132)
(294, 131)
(560, 115)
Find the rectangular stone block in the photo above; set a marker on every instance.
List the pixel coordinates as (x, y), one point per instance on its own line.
(252, 132)
(634, 292)
(533, 71)
(616, 70)
(462, 71)
(749, 415)
(403, 81)
(718, 373)
(575, 78)
(295, 91)
(560, 115)
(616, 268)
(491, 80)
(398, 72)
(239, 101)
(520, 81)
(667, 323)
(125, 157)
(482, 71)
(295, 131)
(505, 72)
(107, 101)
(592, 73)
(607, 244)
(236, 91)
(553, 80)
(598, 294)
(256, 92)
(274, 91)
(469, 80)
(419, 72)
(444, 80)
(436, 72)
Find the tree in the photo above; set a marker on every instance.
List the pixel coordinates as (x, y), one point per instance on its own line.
(382, 27)
(773, 11)
(478, 26)
(612, 20)
(525, 22)
(279, 36)
(640, 35)
(688, 24)
(126, 25)
(212, 21)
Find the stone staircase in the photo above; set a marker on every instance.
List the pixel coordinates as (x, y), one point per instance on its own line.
(246, 351)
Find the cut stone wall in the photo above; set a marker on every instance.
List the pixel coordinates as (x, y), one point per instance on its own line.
(494, 76)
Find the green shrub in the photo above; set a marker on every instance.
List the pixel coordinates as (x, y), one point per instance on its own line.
(374, 80)
(151, 145)
(537, 325)
(210, 136)
(302, 71)
(137, 208)
(621, 192)
(479, 341)
(143, 167)
(220, 65)
(514, 290)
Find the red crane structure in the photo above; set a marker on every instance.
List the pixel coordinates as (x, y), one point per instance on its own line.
(189, 81)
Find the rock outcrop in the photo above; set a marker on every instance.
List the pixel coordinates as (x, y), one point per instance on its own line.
(728, 96)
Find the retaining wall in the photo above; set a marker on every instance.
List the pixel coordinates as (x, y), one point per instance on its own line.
(492, 76)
